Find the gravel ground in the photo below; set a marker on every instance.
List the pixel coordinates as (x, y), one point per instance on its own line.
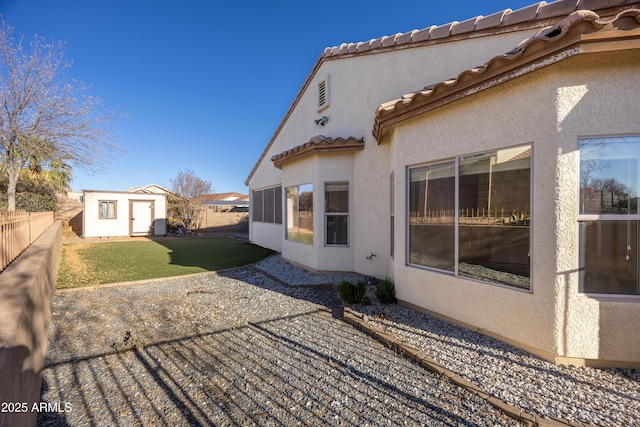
(234, 349)
(239, 348)
(605, 397)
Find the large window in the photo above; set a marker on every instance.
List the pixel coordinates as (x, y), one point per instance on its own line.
(108, 209)
(300, 213)
(471, 216)
(609, 216)
(336, 213)
(267, 205)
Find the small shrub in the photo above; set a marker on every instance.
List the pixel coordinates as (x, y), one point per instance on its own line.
(353, 293)
(31, 202)
(386, 291)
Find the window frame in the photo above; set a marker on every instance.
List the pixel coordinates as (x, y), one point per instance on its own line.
(456, 219)
(276, 215)
(296, 210)
(392, 218)
(601, 217)
(345, 214)
(115, 209)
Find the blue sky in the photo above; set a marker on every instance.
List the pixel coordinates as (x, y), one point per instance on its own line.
(205, 84)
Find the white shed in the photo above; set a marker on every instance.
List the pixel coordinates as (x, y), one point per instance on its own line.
(122, 214)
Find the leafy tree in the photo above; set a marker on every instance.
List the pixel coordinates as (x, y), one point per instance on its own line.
(54, 174)
(43, 114)
(182, 208)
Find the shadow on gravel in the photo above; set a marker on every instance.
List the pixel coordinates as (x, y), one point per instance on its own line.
(285, 371)
(301, 368)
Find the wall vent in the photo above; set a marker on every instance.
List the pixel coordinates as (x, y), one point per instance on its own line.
(323, 94)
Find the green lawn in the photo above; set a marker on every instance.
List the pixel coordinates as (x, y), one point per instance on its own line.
(83, 264)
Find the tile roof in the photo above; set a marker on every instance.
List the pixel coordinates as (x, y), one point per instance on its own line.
(537, 15)
(490, 24)
(567, 38)
(318, 144)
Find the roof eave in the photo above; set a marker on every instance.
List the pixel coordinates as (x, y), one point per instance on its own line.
(538, 54)
(317, 145)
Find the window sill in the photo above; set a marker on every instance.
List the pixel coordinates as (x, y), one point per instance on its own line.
(611, 297)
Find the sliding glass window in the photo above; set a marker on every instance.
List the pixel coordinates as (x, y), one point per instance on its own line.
(471, 216)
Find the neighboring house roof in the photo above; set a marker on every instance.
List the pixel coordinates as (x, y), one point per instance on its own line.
(150, 188)
(318, 144)
(222, 198)
(537, 15)
(582, 31)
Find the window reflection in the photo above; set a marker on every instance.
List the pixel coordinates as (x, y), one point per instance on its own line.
(609, 175)
(491, 222)
(609, 187)
(300, 213)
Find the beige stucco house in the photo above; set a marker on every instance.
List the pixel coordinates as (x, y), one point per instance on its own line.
(491, 167)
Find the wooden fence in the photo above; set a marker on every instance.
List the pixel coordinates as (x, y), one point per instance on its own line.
(18, 230)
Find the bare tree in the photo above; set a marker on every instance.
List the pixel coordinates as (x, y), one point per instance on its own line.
(44, 114)
(188, 187)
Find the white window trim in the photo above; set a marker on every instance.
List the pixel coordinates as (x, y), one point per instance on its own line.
(598, 217)
(115, 209)
(347, 214)
(286, 213)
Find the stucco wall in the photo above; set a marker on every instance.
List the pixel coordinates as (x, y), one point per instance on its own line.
(595, 98)
(550, 108)
(357, 85)
(119, 227)
(318, 170)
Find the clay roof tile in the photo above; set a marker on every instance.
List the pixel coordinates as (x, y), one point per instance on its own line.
(465, 26)
(422, 35)
(442, 31)
(406, 37)
(376, 43)
(595, 4)
(469, 81)
(317, 144)
(556, 8)
(527, 13)
(492, 21)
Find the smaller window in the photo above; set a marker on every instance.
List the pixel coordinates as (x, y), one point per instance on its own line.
(337, 214)
(108, 209)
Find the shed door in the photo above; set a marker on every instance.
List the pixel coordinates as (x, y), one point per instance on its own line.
(141, 217)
